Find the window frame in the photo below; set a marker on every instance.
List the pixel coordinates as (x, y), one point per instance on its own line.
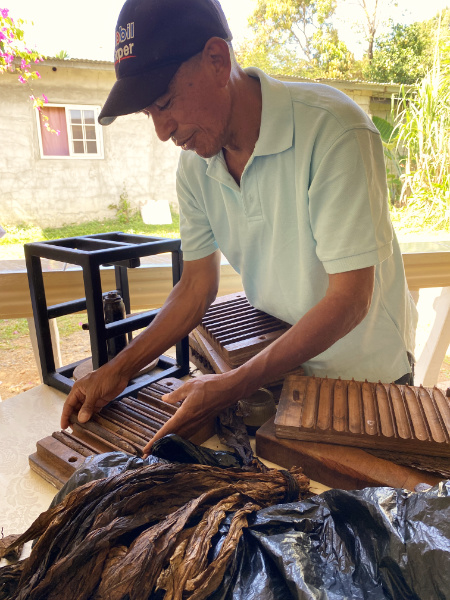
(72, 155)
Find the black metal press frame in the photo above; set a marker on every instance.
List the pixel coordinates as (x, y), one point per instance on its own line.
(90, 252)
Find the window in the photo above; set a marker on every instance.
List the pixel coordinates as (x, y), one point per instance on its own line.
(80, 137)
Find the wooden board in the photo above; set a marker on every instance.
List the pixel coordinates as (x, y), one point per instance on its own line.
(237, 330)
(336, 466)
(218, 364)
(124, 425)
(366, 415)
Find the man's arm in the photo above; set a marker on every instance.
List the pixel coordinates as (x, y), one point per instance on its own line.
(343, 307)
(182, 311)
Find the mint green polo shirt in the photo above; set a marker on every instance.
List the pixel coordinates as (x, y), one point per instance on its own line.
(312, 202)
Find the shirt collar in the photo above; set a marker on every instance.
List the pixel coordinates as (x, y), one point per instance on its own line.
(277, 119)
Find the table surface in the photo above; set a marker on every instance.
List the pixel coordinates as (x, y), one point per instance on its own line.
(24, 420)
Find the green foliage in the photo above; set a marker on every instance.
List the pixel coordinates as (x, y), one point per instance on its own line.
(124, 210)
(392, 156)
(16, 235)
(16, 57)
(332, 58)
(296, 37)
(419, 146)
(401, 56)
(13, 48)
(21, 234)
(407, 52)
(62, 55)
(385, 128)
(11, 329)
(135, 225)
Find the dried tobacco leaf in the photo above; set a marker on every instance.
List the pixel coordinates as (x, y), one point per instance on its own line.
(151, 528)
(10, 554)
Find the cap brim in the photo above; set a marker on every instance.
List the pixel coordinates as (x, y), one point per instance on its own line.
(134, 93)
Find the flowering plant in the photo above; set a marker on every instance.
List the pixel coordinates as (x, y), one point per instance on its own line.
(16, 57)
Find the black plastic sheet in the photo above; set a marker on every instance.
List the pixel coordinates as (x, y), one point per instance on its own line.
(376, 543)
(371, 544)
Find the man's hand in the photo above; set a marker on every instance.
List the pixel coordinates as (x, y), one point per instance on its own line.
(182, 311)
(91, 393)
(202, 398)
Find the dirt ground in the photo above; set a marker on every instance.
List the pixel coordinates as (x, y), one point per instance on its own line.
(19, 373)
(18, 370)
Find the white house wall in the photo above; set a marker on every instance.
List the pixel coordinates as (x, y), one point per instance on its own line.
(51, 192)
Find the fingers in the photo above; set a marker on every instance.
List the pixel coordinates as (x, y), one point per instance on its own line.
(171, 426)
(91, 393)
(87, 409)
(73, 403)
(176, 396)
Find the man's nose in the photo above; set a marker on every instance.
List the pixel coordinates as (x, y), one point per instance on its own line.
(165, 126)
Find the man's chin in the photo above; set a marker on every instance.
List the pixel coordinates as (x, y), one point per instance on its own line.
(204, 153)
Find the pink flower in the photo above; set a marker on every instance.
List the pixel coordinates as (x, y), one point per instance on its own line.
(58, 132)
(22, 80)
(45, 98)
(37, 73)
(23, 64)
(4, 12)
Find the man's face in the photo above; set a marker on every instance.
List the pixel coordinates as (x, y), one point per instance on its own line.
(195, 110)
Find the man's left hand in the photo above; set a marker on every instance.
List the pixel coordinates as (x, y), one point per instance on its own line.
(202, 399)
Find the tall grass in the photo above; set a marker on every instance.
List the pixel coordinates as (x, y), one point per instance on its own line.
(421, 138)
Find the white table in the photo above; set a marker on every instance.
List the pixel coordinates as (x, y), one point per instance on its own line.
(24, 420)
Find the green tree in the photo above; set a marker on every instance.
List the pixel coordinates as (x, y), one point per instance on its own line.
(369, 20)
(402, 55)
(407, 52)
(419, 142)
(296, 37)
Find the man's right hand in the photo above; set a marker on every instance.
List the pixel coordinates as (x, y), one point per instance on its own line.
(91, 393)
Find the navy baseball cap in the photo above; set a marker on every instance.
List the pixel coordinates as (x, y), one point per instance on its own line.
(153, 38)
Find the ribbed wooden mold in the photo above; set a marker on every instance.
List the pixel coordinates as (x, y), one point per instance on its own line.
(237, 330)
(124, 425)
(364, 414)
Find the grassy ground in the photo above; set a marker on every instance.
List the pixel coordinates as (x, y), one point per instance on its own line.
(11, 329)
(14, 332)
(26, 233)
(18, 370)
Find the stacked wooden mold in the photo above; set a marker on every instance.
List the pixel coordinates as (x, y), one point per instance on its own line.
(124, 425)
(231, 332)
(366, 415)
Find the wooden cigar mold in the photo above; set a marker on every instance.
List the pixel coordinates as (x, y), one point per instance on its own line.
(366, 415)
(236, 330)
(124, 425)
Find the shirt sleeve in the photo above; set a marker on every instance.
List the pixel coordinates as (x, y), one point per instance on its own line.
(197, 238)
(348, 203)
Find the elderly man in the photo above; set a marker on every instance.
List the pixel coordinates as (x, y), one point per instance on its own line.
(288, 181)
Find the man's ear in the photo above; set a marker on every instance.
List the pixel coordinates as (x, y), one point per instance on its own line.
(216, 54)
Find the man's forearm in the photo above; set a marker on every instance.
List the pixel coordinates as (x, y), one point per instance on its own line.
(326, 323)
(182, 311)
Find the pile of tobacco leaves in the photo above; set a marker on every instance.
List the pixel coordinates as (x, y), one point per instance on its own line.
(143, 533)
